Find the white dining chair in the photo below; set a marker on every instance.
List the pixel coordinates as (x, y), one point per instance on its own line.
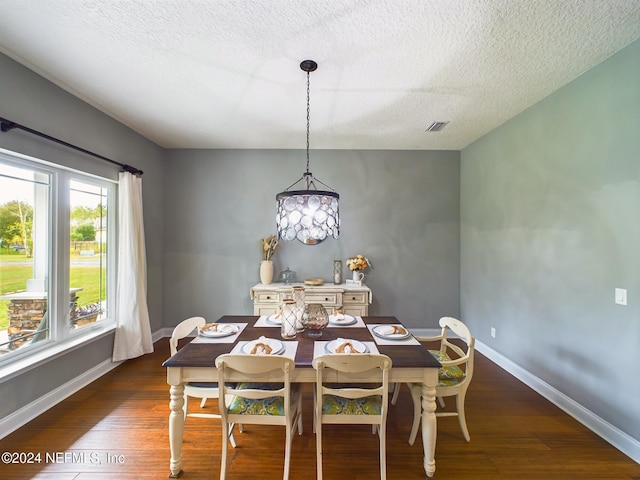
(363, 399)
(200, 390)
(263, 394)
(454, 376)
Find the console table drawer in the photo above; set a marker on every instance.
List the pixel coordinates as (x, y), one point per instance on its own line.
(360, 298)
(267, 297)
(323, 298)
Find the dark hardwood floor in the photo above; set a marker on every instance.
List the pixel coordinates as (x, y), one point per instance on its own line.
(116, 428)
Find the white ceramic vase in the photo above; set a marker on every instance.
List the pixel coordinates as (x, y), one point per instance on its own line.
(266, 272)
(358, 276)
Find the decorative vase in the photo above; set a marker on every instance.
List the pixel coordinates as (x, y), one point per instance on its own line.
(288, 326)
(315, 319)
(358, 276)
(266, 272)
(297, 295)
(337, 272)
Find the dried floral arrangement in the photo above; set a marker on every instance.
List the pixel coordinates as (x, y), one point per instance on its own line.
(269, 245)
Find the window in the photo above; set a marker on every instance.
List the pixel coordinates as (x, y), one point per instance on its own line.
(88, 255)
(56, 263)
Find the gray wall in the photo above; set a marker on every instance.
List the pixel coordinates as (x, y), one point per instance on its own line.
(398, 208)
(30, 100)
(549, 227)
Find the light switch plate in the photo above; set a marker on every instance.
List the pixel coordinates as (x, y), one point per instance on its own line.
(621, 296)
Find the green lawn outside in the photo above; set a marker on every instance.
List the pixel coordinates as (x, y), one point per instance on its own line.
(88, 279)
(13, 278)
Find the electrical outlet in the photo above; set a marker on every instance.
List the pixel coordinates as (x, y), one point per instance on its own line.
(621, 296)
(493, 332)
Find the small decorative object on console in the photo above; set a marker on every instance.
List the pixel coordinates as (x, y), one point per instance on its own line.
(269, 245)
(288, 277)
(337, 272)
(358, 263)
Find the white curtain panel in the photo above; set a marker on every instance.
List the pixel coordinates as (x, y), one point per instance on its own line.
(133, 331)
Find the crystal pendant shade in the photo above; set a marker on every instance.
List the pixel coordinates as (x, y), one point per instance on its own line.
(310, 216)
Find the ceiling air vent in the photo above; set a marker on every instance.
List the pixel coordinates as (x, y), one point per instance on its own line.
(436, 126)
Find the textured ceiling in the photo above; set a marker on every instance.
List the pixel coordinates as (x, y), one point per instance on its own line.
(225, 74)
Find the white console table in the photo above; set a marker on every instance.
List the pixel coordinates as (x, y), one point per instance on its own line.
(355, 299)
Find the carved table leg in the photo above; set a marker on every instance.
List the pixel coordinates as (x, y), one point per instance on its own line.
(429, 426)
(176, 428)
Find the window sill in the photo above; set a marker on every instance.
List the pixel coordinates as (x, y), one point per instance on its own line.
(36, 359)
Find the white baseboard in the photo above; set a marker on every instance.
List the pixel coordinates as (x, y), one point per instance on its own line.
(162, 333)
(21, 417)
(612, 434)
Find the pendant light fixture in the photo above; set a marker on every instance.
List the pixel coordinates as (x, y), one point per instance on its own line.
(310, 215)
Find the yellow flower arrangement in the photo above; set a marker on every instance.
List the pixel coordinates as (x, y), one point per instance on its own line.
(358, 263)
(269, 245)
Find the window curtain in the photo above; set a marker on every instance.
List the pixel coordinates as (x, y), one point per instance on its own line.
(133, 331)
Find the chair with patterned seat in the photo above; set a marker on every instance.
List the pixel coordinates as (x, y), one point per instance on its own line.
(263, 394)
(361, 397)
(201, 390)
(454, 376)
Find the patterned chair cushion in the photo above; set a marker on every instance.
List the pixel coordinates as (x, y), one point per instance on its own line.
(335, 405)
(263, 406)
(449, 375)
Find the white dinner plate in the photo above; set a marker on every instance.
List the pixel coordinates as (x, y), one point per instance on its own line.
(277, 347)
(275, 318)
(218, 330)
(342, 320)
(333, 344)
(384, 331)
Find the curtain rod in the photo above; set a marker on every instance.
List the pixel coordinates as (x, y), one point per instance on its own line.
(6, 125)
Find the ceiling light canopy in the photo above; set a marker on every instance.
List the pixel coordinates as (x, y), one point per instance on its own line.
(308, 214)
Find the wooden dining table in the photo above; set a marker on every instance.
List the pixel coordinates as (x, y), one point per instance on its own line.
(195, 362)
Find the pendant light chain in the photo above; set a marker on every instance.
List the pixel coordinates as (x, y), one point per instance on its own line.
(308, 120)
